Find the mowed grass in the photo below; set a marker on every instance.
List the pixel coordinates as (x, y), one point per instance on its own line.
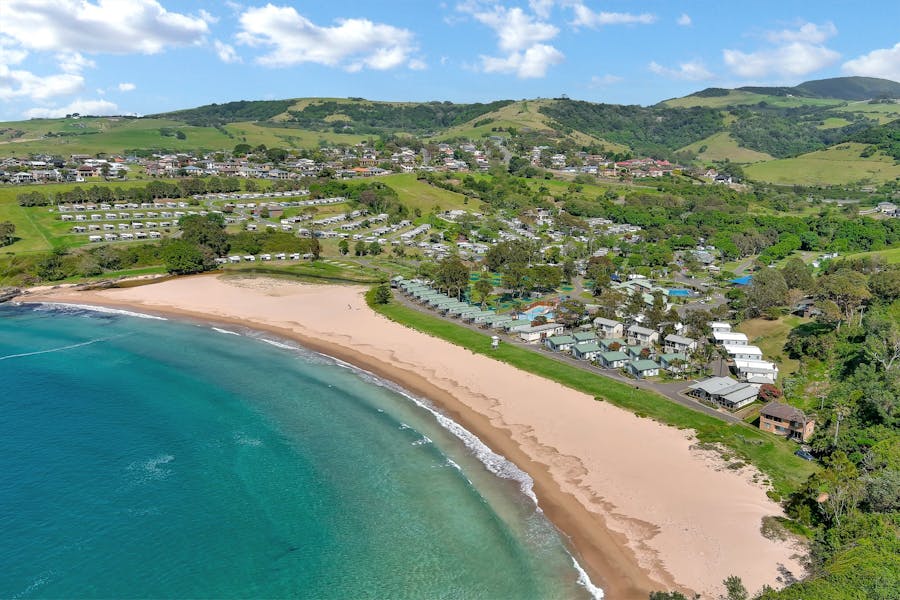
(771, 336)
(833, 123)
(833, 166)
(890, 255)
(419, 194)
(319, 271)
(721, 146)
(772, 455)
(738, 97)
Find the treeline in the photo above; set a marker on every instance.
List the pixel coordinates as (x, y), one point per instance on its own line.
(650, 131)
(384, 118)
(212, 115)
(884, 138)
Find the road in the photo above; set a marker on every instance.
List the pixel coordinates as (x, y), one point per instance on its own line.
(672, 391)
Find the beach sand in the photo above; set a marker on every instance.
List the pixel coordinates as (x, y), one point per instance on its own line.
(643, 507)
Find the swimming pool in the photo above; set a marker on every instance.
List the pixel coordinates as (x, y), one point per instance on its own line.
(537, 311)
(679, 292)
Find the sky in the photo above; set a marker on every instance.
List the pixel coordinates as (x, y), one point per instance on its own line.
(148, 56)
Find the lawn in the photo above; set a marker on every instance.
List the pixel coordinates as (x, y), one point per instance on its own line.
(772, 455)
(418, 194)
(771, 336)
(890, 256)
(721, 146)
(320, 271)
(833, 166)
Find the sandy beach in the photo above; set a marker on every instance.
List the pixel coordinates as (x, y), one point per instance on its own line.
(644, 508)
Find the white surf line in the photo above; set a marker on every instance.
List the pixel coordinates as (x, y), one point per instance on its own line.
(60, 349)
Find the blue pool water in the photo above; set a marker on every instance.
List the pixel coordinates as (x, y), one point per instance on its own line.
(537, 311)
(679, 292)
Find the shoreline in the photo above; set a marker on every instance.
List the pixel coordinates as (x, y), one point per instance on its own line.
(613, 547)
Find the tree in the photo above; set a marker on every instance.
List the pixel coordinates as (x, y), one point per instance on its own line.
(183, 257)
(515, 277)
(882, 339)
(600, 269)
(797, 274)
(452, 275)
(7, 233)
(767, 290)
(768, 392)
(375, 249)
(484, 288)
(360, 248)
(344, 247)
(734, 589)
(382, 294)
(206, 230)
(840, 482)
(886, 285)
(667, 596)
(570, 312)
(657, 312)
(846, 288)
(635, 305)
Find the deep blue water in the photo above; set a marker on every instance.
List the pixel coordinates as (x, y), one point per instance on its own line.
(150, 458)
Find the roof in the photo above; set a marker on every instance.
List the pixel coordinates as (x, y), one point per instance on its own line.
(729, 335)
(606, 322)
(613, 356)
(561, 339)
(640, 330)
(644, 365)
(584, 336)
(673, 356)
(587, 347)
(742, 394)
(783, 411)
(732, 349)
(713, 385)
(679, 339)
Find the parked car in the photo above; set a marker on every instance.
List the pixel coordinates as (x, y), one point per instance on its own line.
(805, 455)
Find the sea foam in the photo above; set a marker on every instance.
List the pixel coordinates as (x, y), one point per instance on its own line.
(68, 306)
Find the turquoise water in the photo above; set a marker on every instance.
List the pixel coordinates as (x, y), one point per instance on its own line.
(679, 292)
(149, 458)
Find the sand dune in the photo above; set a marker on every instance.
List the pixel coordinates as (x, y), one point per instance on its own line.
(644, 508)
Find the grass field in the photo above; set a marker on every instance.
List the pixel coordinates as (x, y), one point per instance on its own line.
(418, 194)
(771, 336)
(773, 456)
(890, 256)
(321, 271)
(738, 97)
(721, 146)
(836, 165)
(833, 123)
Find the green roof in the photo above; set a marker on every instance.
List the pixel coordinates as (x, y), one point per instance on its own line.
(644, 365)
(585, 336)
(614, 356)
(673, 356)
(561, 339)
(588, 347)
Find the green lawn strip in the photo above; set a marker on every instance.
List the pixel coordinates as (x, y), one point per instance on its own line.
(313, 272)
(771, 455)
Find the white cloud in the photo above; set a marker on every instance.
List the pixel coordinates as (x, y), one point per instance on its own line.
(541, 8)
(797, 52)
(585, 17)
(84, 107)
(884, 63)
(352, 43)
(603, 80)
(684, 20)
(687, 71)
(113, 26)
(206, 16)
(10, 55)
(417, 64)
(532, 63)
(808, 33)
(74, 63)
(226, 52)
(515, 29)
(24, 84)
(126, 87)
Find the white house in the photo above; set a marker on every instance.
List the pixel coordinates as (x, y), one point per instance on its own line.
(536, 333)
(719, 327)
(613, 360)
(678, 343)
(586, 350)
(756, 371)
(642, 335)
(736, 352)
(560, 343)
(609, 328)
(723, 338)
(643, 368)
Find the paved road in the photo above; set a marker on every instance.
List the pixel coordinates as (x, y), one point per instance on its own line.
(672, 391)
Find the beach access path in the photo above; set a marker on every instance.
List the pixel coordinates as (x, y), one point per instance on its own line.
(672, 391)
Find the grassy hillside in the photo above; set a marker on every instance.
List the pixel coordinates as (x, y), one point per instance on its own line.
(840, 164)
(722, 146)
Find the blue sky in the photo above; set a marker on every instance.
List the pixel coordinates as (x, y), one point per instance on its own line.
(147, 56)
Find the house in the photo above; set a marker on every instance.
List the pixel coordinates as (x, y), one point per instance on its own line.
(725, 391)
(642, 335)
(786, 420)
(677, 343)
(609, 328)
(586, 351)
(643, 368)
(635, 351)
(743, 352)
(610, 344)
(756, 371)
(729, 338)
(584, 336)
(673, 362)
(560, 343)
(613, 360)
(719, 327)
(536, 333)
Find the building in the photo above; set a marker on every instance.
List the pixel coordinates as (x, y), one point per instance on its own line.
(674, 362)
(719, 327)
(782, 419)
(613, 360)
(743, 352)
(678, 343)
(726, 338)
(643, 368)
(536, 333)
(725, 391)
(586, 350)
(609, 328)
(642, 335)
(560, 343)
(756, 371)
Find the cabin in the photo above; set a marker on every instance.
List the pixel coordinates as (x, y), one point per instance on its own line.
(586, 351)
(560, 343)
(643, 368)
(613, 360)
(679, 344)
(743, 352)
(584, 336)
(536, 333)
(611, 344)
(756, 371)
(728, 338)
(609, 328)
(725, 392)
(719, 327)
(673, 362)
(642, 335)
(785, 420)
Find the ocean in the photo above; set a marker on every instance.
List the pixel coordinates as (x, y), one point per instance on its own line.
(143, 457)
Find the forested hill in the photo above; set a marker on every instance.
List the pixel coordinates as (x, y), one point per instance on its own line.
(836, 88)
